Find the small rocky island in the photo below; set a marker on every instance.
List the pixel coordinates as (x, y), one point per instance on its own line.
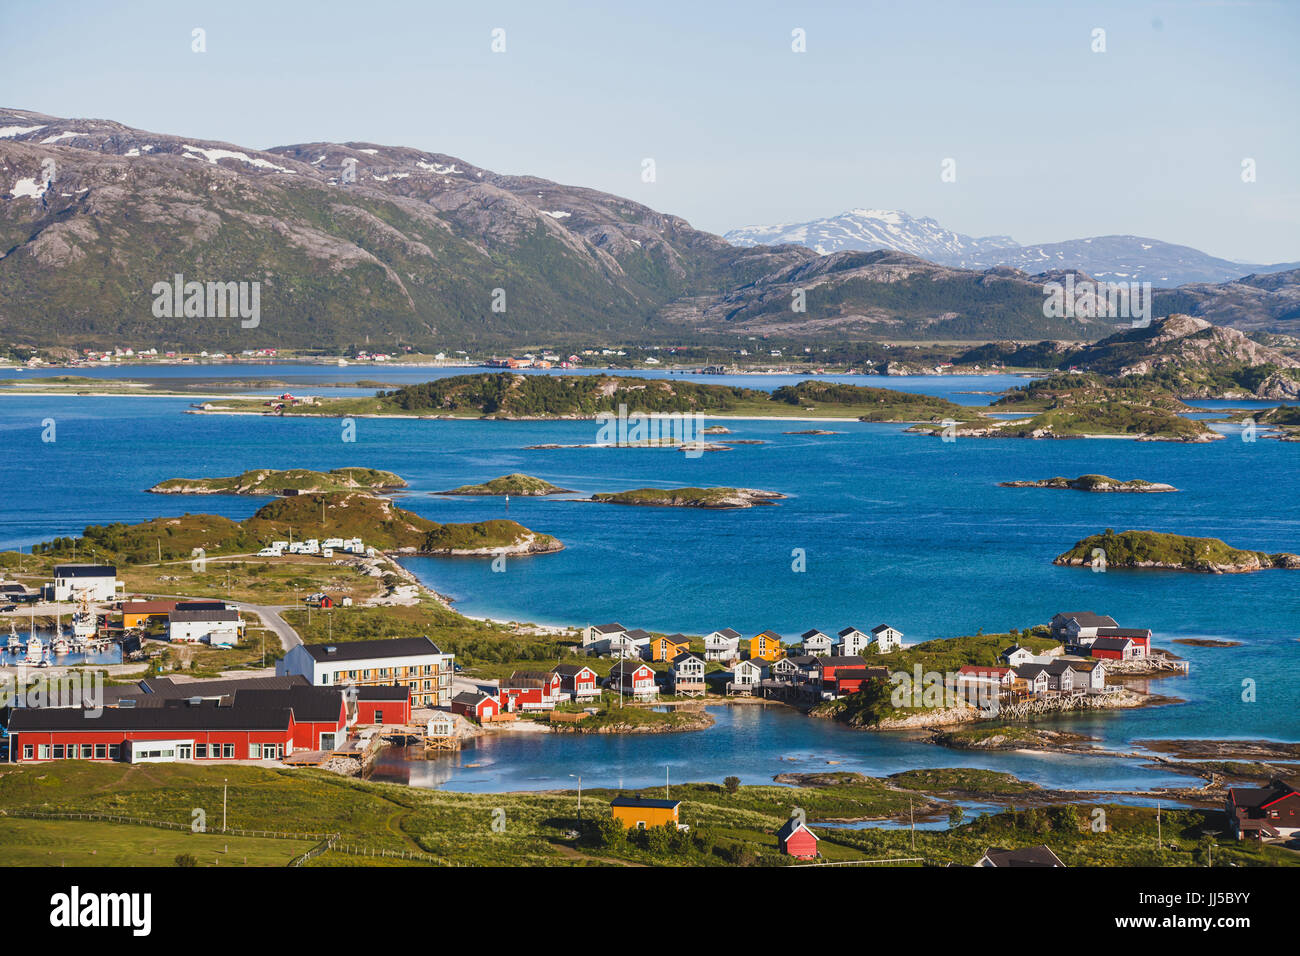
(1172, 552)
(293, 481)
(522, 486)
(812, 431)
(1095, 483)
(690, 497)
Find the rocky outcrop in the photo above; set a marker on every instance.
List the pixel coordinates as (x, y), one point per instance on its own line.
(1094, 483)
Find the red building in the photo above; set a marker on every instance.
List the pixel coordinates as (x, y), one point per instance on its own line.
(475, 706)
(250, 725)
(530, 690)
(578, 681)
(797, 840)
(830, 665)
(383, 704)
(1116, 649)
(1140, 636)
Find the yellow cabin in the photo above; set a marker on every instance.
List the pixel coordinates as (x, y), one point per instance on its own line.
(766, 646)
(667, 648)
(637, 813)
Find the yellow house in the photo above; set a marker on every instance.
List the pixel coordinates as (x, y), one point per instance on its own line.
(667, 648)
(637, 813)
(139, 613)
(766, 646)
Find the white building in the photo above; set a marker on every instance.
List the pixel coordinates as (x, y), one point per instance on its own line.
(887, 638)
(723, 645)
(218, 627)
(816, 643)
(601, 632)
(95, 582)
(853, 642)
(416, 662)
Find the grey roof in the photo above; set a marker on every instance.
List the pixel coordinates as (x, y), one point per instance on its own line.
(315, 704)
(1123, 632)
(1087, 618)
(1029, 671)
(471, 698)
(1111, 643)
(175, 715)
(637, 634)
(366, 650)
(571, 670)
(180, 617)
(729, 634)
(610, 628)
(843, 660)
(813, 633)
(383, 692)
(847, 631)
(639, 802)
(882, 627)
(1025, 856)
(168, 688)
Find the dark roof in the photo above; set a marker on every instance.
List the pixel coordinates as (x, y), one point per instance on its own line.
(200, 605)
(687, 656)
(813, 633)
(848, 630)
(1029, 671)
(608, 628)
(1252, 798)
(803, 660)
(179, 616)
(768, 634)
(1123, 632)
(637, 634)
(1111, 643)
(1026, 856)
(166, 687)
(729, 634)
(366, 650)
(527, 679)
(471, 698)
(642, 802)
(1088, 618)
(383, 692)
(84, 571)
(628, 667)
(852, 673)
(315, 704)
(177, 715)
(788, 828)
(571, 670)
(844, 660)
(882, 627)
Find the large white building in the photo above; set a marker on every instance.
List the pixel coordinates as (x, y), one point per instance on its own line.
(95, 582)
(416, 662)
(220, 627)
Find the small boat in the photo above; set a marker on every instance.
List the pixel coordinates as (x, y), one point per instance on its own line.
(85, 623)
(60, 646)
(15, 642)
(35, 650)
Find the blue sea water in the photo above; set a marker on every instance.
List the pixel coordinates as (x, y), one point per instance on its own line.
(893, 528)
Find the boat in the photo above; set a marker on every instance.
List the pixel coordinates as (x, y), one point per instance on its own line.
(35, 650)
(15, 642)
(60, 646)
(85, 623)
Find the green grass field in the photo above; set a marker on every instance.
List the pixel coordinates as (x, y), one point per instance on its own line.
(94, 843)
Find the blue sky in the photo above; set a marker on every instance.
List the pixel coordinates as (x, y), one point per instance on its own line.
(1051, 140)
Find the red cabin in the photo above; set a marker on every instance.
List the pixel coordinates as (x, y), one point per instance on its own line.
(797, 840)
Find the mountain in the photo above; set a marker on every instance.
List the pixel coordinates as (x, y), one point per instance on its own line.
(1269, 303)
(1110, 258)
(868, 230)
(339, 246)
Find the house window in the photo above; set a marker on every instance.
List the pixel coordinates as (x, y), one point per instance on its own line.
(27, 751)
(58, 751)
(43, 751)
(254, 751)
(229, 751)
(86, 751)
(101, 751)
(200, 751)
(114, 751)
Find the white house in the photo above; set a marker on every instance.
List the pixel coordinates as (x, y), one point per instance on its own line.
(686, 676)
(1079, 627)
(723, 645)
(95, 582)
(1015, 656)
(745, 677)
(594, 634)
(853, 642)
(615, 645)
(416, 662)
(816, 643)
(887, 638)
(220, 627)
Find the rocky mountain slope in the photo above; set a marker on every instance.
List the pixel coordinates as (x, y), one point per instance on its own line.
(1110, 258)
(354, 244)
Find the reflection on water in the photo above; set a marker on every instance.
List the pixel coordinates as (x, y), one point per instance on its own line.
(754, 743)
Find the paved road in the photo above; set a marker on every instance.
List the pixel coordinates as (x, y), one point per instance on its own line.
(269, 613)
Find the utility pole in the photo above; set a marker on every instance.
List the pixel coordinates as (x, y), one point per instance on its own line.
(911, 820)
(1160, 840)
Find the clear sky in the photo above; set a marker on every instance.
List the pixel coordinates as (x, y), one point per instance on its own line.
(1051, 140)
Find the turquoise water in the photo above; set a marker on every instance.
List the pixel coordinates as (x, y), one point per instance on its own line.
(893, 527)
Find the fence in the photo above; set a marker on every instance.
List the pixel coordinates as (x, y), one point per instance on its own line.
(163, 824)
(894, 862)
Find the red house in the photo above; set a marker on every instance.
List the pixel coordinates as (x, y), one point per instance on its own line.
(830, 665)
(383, 704)
(797, 840)
(578, 681)
(1140, 636)
(1116, 649)
(530, 690)
(850, 680)
(475, 706)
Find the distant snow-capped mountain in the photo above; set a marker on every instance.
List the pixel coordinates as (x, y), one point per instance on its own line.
(872, 229)
(1112, 258)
